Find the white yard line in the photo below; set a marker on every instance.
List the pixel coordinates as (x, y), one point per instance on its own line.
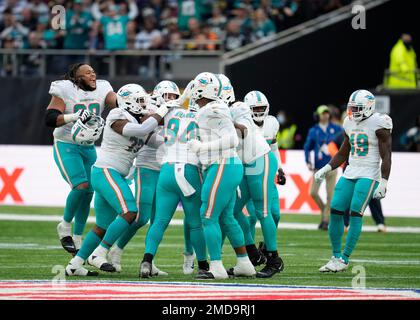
(179, 222)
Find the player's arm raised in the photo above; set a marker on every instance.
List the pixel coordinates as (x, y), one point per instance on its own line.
(55, 117)
(340, 157)
(111, 100)
(385, 151)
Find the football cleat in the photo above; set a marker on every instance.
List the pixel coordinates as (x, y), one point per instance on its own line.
(243, 268)
(145, 270)
(72, 270)
(258, 258)
(381, 228)
(334, 265)
(101, 263)
(77, 241)
(114, 257)
(156, 272)
(216, 271)
(273, 266)
(188, 266)
(64, 234)
(323, 226)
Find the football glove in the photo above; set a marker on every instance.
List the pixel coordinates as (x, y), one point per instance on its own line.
(380, 191)
(84, 115)
(321, 173)
(281, 177)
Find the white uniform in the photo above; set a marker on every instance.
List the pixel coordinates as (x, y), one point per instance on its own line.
(213, 126)
(117, 151)
(364, 159)
(149, 157)
(269, 129)
(253, 146)
(180, 127)
(76, 99)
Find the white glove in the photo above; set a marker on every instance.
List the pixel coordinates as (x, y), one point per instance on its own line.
(380, 191)
(321, 173)
(215, 108)
(194, 145)
(162, 110)
(82, 114)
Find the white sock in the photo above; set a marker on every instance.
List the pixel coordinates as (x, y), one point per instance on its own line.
(242, 259)
(100, 251)
(216, 264)
(66, 224)
(77, 261)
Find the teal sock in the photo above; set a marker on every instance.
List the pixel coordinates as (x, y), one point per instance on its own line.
(188, 246)
(128, 234)
(213, 236)
(114, 231)
(82, 213)
(72, 203)
(90, 243)
(246, 227)
(199, 242)
(335, 231)
(355, 229)
(269, 231)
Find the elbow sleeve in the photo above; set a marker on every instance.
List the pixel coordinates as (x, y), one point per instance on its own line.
(140, 130)
(51, 116)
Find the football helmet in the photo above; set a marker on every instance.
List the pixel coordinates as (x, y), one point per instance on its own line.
(361, 105)
(164, 88)
(228, 95)
(206, 85)
(89, 132)
(258, 104)
(133, 98)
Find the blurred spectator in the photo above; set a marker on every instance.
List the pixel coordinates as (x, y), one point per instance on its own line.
(28, 18)
(13, 30)
(403, 64)
(32, 63)
(210, 36)
(149, 37)
(78, 26)
(114, 23)
(321, 141)
(234, 38)
(188, 9)
(262, 26)
(411, 139)
(218, 21)
(287, 135)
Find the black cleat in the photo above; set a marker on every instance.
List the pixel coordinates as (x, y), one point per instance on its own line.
(258, 258)
(107, 267)
(273, 266)
(68, 245)
(204, 275)
(145, 270)
(323, 226)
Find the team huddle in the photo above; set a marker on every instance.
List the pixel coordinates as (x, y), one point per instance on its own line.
(214, 157)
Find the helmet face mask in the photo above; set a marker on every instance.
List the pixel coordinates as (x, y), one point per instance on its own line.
(258, 104)
(361, 105)
(166, 91)
(228, 94)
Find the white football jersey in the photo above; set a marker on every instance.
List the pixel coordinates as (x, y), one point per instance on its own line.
(364, 158)
(117, 151)
(180, 127)
(149, 157)
(269, 129)
(76, 99)
(211, 127)
(253, 146)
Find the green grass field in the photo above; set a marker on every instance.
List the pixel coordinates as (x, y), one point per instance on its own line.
(29, 250)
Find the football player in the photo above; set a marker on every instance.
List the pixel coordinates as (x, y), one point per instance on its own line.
(367, 147)
(257, 184)
(115, 205)
(78, 96)
(269, 127)
(179, 181)
(222, 171)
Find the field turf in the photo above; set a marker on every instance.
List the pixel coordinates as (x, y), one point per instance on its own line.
(30, 250)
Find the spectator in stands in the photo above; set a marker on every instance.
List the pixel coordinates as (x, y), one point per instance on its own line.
(32, 62)
(194, 33)
(262, 26)
(403, 64)
(149, 37)
(188, 9)
(234, 38)
(320, 140)
(114, 23)
(218, 21)
(211, 37)
(78, 26)
(28, 19)
(171, 35)
(48, 35)
(411, 139)
(13, 30)
(287, 135)
(39, 8)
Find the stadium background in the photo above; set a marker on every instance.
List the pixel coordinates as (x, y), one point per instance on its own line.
(315, 58)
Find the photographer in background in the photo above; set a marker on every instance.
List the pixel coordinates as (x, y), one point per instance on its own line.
(321, 140)
(411, 139)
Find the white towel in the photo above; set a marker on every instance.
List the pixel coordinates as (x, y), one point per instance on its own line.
(183, 184)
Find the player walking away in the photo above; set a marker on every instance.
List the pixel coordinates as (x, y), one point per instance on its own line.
(179, 181)
(79, 96)
(269, 127)
(257, 184)
(146, 175)
(367, 141)
(115, 205)
(222, 173)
